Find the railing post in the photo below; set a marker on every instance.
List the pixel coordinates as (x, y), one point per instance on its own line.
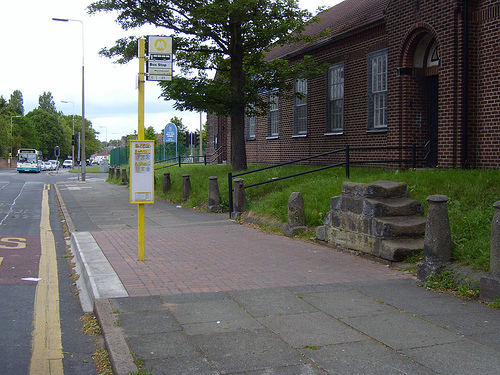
(205, 159)
(230, 190)
(414, 156)
(347, 172)
(179, 161)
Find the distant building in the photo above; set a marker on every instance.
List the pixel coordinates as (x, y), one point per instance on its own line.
(400, 72)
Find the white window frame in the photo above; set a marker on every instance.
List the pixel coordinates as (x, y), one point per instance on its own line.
(251, 126)
(273, 117)
(377, 90)
(335, 99)
(300, 109)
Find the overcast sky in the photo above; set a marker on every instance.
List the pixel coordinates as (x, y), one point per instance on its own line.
(39, 54)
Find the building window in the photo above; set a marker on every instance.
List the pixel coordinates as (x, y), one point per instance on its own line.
(335, 100)
(377, 90)
(251, 121)
(300, 108)
(273, 127)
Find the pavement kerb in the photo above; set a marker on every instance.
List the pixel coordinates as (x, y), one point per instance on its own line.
(121, 360)
(118, 350)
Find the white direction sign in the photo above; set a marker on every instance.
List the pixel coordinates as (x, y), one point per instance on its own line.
(159, 65)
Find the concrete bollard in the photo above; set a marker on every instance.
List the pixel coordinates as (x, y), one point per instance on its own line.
(111, 172)
(167, 184)
(437, 242)
(186, 187)
(124, 176)
(213, 194)
(495, 242)
(240, 198)
(490, 285)
(296, 215)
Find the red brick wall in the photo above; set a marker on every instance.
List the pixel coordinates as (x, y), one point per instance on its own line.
(484, 84)
(404, 24)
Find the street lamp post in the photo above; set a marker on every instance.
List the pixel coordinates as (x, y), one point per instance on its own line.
(73, 118)
(11, 139)
(82, 157)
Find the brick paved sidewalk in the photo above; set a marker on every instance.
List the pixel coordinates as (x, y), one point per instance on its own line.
(223, 257)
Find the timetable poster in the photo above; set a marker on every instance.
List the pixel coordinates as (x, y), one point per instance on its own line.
(141, 171)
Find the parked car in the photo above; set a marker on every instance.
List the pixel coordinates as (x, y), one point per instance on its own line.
(54, 164)
(45, 166)
(68, 163)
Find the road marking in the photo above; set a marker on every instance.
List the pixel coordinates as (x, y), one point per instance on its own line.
(12, 243)
(12, 205)
(1, 260)
(47, 352)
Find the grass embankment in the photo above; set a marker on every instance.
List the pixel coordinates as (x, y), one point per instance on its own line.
(471, 192)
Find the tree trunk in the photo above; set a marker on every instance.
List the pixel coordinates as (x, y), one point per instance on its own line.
(238, 151)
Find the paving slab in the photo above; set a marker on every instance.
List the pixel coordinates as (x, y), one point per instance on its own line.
(247, 350)
(311, 329)
(401, 330)
(273, 301)
(347, 303)
(366, 357)
(462, 357)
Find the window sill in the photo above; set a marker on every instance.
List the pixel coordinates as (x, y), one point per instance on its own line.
(251, 138)
(380, 130)
(299, 135)
(272, 137)
(335, 133)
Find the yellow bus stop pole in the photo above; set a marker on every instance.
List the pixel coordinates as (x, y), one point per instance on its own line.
(141, 79)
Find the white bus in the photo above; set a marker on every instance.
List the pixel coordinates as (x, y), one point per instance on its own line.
(29, 160)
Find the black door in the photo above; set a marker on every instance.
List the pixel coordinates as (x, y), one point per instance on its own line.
(432, 117)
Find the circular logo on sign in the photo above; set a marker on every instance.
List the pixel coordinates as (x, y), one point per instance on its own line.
(160, 44)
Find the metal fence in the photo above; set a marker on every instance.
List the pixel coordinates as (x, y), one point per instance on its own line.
(415, 154)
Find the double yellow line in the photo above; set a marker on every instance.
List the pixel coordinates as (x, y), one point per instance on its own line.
(47, 353)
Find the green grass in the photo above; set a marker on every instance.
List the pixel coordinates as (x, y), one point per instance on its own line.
(471, 192)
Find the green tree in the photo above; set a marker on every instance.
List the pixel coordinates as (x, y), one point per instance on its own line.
(46, 103)
(49, 129)
(17, 102)
(150, 133)
(228, 36)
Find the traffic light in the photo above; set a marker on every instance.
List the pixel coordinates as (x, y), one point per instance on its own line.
(56, 151)
(196, 139)
(74, 140)
(187, 139)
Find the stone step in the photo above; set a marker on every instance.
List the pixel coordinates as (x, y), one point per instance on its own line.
(392, 207)
(377, 189)
(399, 249)
(399, 226)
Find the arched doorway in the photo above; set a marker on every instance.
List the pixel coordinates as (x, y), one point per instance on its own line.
(422, 90)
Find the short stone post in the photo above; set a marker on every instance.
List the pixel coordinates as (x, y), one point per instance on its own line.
(111, 172)
(240, 198)
(167, 184)
(213, 194)
(490, 285)
(437, 242)
(296, 215)
(186, 187)
(124, 176)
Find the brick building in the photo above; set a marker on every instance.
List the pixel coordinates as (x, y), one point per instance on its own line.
(399, 72)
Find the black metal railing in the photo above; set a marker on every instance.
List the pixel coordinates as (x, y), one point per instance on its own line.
(347, 162)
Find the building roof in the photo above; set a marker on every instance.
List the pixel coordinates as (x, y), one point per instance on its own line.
(343, 17)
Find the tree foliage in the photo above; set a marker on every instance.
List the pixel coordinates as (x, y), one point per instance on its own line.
(17, 102)
(229, 37)
(46, 103)
(42, 128)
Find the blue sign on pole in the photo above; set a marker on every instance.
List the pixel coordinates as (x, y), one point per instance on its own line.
(170, 133)
(170, 136)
